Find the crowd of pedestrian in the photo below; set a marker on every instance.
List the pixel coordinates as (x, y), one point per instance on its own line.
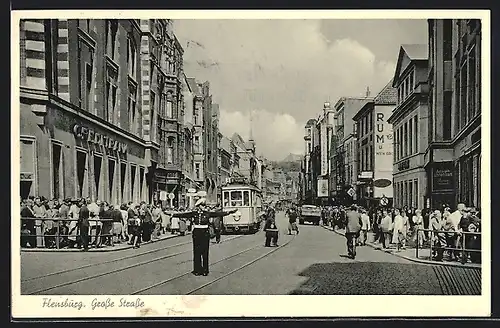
(444, 229)
(83, 223)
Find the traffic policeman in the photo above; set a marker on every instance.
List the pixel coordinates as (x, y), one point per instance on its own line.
(201, 236)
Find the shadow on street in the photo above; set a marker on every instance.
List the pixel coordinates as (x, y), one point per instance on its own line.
(378, 278)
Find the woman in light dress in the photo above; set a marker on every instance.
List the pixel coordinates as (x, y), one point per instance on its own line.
(418, 221)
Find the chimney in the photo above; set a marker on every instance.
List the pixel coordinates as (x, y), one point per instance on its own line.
(367, 92)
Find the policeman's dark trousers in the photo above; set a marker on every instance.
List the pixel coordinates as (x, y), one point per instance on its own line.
(84, 235)
(201, 244)
(351, 243)
(271, 237)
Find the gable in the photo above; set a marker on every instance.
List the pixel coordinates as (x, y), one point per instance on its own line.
(403, 61)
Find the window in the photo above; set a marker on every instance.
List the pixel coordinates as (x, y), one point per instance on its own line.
(405, 196)
(463, 95)
(28, 159)
(85, 66)
(196, 144)
(81, 171)
(246, 198)
(309, 147)
(133, 170)
(54, 41)
(111, 179)
(416, 133)
(123, 175)
(141, 183)
(447, 115)
(410, 195)
(447, 39)
(132, 108)
(236, 198)
(131, 56)
(111, 31)
(57, 172)
(153, 113)
(415, 184)
(84, 25)
(405, 142)
(471, 85)
(196, 116)
(410, 136)
(170, 150)
(97, 175)
(111, 94)
(197, 171)
(411, 82)
(169, 112)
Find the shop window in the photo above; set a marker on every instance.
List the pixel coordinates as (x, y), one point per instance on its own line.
(415, 185)
(133, 170)
(85, 66)
(410, 194)
(246, 198)
(97, 175)
(123, 175)
(27, 168)
(141, 183)
(57, 171)
(111, 179)
(81, 169)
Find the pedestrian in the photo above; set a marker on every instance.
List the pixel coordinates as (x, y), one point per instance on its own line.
(365, 227)
(385, 228)
(116, 215)
(399, 230)
(352, 229)
(292, 221)
(271, 230)
(217, 226)
(84, 224)
(418, 224)
(202, 219)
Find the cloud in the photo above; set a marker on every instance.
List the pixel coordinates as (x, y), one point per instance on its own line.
(284, 70)
(276, 135)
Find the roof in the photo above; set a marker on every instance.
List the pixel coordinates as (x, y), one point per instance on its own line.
(388, 95)
(416, 51)
(193, 86)
(311, 122)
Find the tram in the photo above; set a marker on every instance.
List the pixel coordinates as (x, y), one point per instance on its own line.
(247, 199)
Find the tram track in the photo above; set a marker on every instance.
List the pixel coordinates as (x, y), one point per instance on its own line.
(220, 277)
(117, 270)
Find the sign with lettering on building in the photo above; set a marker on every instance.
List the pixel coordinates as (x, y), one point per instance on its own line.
(87, 134)
(323, 187)
(383, 151)
(442, 176)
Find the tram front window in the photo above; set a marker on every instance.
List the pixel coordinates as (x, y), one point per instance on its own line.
(226, 198)
(246, 198)
(236, 198)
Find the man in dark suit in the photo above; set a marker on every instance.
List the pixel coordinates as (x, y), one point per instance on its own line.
(352, 229)
(84, 224)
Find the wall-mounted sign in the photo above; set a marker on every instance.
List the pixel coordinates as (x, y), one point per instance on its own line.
(442, 176)
(404, 165)
(87, 134)
(322, 187)
(383, 157)
(365, 175)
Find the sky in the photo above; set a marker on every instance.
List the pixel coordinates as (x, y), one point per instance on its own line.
(280, 72)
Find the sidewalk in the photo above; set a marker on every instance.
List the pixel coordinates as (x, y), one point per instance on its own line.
(117, 247)
(409, 253)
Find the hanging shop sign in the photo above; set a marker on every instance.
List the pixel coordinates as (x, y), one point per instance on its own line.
(87, 134)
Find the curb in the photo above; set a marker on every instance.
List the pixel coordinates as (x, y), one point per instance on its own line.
(96, 250)
(458, 265)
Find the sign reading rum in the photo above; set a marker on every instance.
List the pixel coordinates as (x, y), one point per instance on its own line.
(383, 150)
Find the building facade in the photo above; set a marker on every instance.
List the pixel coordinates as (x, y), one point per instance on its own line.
(198, 139)
(85, 129)
(325, 126)
(375, 148)
(345, 164)
(453, 158)
(307, 185)
(410, 126)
